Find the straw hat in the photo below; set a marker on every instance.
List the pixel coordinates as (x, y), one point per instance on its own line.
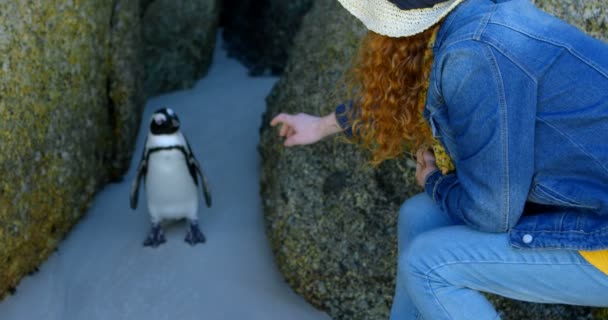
(399, 18)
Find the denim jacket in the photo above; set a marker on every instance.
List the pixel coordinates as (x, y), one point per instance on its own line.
(519, 99)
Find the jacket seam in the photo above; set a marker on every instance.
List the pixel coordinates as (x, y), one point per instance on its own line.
(504, 137)
(570, 49)
(436, 186)
(603, 229)
(483, 23)
(583, 150)
(506, 54)
(540, 190)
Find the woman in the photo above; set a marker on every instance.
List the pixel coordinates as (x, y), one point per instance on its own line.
(519, 101)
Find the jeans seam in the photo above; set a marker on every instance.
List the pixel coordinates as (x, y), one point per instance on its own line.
(428, 280)
(432, 270)
(581, 263)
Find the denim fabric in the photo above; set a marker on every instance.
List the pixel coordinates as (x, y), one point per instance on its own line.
(343, 117)
(444, 266)
(519, 99)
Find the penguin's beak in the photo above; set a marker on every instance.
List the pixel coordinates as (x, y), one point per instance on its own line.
(175, 123)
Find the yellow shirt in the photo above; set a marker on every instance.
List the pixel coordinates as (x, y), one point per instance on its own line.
(598, 259)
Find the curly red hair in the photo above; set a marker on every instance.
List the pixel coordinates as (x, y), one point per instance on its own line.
(387, 78)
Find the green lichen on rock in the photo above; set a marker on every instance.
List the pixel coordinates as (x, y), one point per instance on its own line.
(600, 314)
(126, 77)
(330, 218)
(179, 37)
(56, 133)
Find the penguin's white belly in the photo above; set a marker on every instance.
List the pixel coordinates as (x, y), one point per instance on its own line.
(170, 189)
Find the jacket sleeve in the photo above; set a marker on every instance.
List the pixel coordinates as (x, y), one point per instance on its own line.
(343, 116)
(489, 105)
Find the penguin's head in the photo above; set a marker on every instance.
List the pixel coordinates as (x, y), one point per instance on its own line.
(164, 121)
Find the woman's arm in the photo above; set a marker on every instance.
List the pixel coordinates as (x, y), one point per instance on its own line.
(303, 129)
(489, 116)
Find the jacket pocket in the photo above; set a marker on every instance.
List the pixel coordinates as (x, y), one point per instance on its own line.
(545, 195)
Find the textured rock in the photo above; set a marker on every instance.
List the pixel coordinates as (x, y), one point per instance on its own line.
(331, 220)
(126, 80)
(179, 37)
(260, 32)
(65, 96)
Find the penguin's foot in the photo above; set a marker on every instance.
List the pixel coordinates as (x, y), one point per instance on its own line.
(194, 235)
(156, 237)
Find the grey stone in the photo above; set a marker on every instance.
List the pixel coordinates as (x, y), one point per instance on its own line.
(330, 218)
(179, 37)
(126, 79)
(260, 32)
(69, 94)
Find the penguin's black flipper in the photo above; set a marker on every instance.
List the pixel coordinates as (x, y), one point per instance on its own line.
(194, 166)
(206, 190)
(141, 171)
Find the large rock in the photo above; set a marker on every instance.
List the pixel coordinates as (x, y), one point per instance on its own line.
(70, 103)
(260, 32)
(179, 37)
(330, 218)
(126, 83)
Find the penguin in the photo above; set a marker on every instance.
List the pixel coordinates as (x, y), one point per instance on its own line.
(169, 170)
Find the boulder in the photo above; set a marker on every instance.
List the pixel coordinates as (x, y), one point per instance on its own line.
(126, 83)
(70, 102)
(260, 33)
(330, 218)
(179, 38)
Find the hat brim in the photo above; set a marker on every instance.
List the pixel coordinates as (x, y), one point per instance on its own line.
(384, 17)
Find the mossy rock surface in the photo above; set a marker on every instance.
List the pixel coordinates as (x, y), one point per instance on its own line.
(330, 218)
(66, 96)
(260, 33)
(179, 38)
(126, 82)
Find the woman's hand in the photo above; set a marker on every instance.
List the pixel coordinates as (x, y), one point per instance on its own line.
(303, 129)
(425, 165)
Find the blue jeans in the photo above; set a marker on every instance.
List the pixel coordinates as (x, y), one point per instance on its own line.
(443, 267)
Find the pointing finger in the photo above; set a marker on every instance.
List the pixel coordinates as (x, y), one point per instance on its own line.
(281, 118)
